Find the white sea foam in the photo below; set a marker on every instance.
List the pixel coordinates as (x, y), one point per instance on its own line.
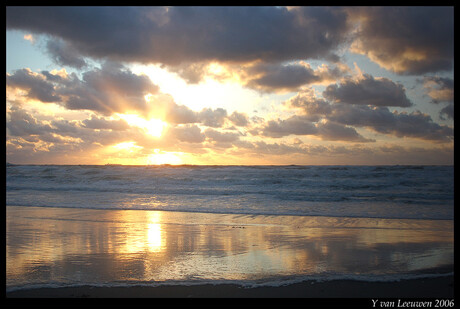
(267, 282)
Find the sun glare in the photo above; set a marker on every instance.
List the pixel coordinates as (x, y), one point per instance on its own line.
(129, 146)
(154, 127)
(162, 157)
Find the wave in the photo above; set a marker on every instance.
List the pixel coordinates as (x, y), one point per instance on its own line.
(367, 191)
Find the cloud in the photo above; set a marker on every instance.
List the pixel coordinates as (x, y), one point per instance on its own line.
(277, 149)
(30, 38)
(294, 125)
(33, 140)
(448, 111)
(400, 124)
(165, 108)
(302, 125)
(101, 123)
(107, 90)
(21, 123)
(221, 139)
(186, 133)
(368, 90)
(28, 137)
(63, 54)
(213, 118)
(172, 35)
(114, 89)
(310, 105)
(440, 89)
(192, 73)
(275, 77)
(377, 118)
(332, 131)
(406, 40)
(37, 85)
(238, 119)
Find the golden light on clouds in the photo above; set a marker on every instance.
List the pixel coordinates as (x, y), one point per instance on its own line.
(347, 87)
(129, 146)
(29, 37)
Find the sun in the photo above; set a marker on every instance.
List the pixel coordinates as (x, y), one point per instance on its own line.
(155, 127)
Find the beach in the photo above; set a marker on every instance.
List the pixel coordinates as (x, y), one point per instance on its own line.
(74, 252)
(442, 287)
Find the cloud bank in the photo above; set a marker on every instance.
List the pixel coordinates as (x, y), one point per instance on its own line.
(266, 49)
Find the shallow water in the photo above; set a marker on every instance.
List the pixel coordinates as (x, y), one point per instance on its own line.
(74, 246)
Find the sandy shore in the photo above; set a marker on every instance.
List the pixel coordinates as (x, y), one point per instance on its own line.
(442, 287)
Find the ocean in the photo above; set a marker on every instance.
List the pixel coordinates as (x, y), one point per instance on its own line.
(253, 225)
(402, 192)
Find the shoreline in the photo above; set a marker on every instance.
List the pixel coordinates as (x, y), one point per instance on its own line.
(439, 287)
(242, 213)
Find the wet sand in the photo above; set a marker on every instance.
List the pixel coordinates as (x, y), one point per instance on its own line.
(442, 287)
(88, 247)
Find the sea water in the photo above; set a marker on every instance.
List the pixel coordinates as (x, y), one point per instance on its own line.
(415, 192)
(249, 225)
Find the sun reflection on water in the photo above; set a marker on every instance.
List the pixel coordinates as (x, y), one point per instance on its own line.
(46, 244)
(154, 232)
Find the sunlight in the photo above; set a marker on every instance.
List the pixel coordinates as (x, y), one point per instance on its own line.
(228, 92)
(129, 146)
(162, 157)
(154, 232)
(154, 127)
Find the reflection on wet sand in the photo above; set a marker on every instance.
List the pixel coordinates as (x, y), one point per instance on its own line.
(57, 245)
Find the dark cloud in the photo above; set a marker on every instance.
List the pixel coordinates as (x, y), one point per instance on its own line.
(179, 34)
(439, 89)
(272, 77)
(332, 131)
(448, 111)
(368, 91)
(312, 106)
(63, 54)
(399, 124)
(21, 123)
(277, 149)
(192, 73)
(101, 123)
(36, 85)
(377, 118)
(295, 125)
(302, 125)
(406, 40)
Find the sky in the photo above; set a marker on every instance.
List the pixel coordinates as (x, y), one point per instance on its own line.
(230, 85)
